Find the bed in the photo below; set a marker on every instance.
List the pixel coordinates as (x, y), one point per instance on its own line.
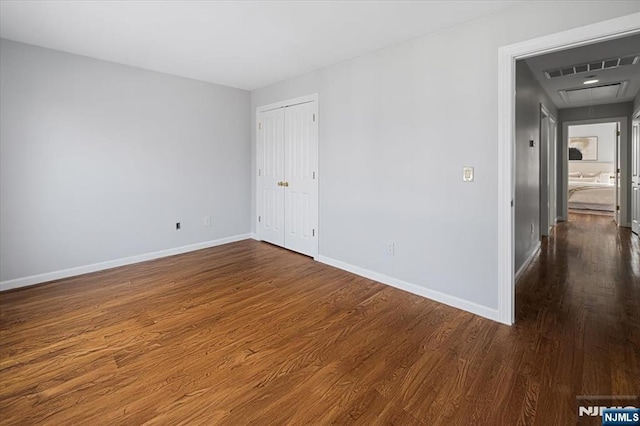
(591, 194)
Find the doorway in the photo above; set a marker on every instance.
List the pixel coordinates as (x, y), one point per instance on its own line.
(287, 175)
(593, 168)
(507, 56)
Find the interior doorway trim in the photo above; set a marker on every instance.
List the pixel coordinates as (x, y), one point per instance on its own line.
(507, 56)
(548, 168)
(624, 166)
(287, 103)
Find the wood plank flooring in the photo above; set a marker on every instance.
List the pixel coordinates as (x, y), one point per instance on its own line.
(248, 333)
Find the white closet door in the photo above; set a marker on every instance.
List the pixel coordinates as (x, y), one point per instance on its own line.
(301, 192)
(271, 175)
(635, 177)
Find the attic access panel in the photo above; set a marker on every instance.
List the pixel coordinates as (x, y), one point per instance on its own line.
(589, 94)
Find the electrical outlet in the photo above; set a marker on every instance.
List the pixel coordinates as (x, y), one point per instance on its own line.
(177, 226)
(391, 248)
(207, 221)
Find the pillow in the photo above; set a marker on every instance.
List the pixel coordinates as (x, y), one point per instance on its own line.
(583, 179)
(596, 174)
(575, 174)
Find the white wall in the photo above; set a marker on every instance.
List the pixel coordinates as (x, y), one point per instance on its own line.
(99, 160)
(606, 138)
(396, 128)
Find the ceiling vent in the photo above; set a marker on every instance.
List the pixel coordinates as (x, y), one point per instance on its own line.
(604, 64)
(593, 94)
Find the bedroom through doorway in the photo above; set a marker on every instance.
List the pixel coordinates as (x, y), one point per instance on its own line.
(593, 169)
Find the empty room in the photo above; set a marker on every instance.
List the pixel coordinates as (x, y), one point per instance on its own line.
(319, 212)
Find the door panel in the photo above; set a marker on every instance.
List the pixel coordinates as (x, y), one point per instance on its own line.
(617, 178)
(272, 218)
(635, 204)
(270, 201)
(635, 177)
(297, 216)
(544, 176)
(301, 151)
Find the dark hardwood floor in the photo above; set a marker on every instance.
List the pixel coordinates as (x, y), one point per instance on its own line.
(248, 333)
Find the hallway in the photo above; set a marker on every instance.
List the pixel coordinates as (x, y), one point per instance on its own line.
(581, 296)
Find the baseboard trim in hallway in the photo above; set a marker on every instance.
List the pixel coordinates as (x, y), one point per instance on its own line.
(527, 262)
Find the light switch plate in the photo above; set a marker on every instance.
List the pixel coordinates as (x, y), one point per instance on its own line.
(467, 174)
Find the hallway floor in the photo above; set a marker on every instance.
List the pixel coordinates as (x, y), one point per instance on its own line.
(581, 299)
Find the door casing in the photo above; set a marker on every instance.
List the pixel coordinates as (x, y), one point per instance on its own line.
(635, 172)
(548, 167)
(507, 56)
(622, 183)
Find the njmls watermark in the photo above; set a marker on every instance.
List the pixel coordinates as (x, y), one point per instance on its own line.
(609, 410)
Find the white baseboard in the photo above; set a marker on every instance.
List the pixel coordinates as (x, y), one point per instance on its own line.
(80, 270)
(456, 302)
(527, 262)
(254, 236)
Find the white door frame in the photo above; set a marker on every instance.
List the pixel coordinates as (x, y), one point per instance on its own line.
(623, 165)
(547, 191)
(289, 102)
(507, 56)
(553, 188)
(635, 116)
(282, 104)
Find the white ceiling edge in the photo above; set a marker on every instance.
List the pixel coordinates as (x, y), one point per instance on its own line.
(243, 44)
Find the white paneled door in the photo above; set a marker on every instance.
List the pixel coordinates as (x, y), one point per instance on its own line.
(271, 176)
(635, 177)
(288, 177)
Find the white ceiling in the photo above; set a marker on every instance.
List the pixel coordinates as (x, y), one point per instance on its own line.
(609, 49)
(243, 44)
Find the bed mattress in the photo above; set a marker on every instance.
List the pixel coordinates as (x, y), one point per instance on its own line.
(592, 196)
